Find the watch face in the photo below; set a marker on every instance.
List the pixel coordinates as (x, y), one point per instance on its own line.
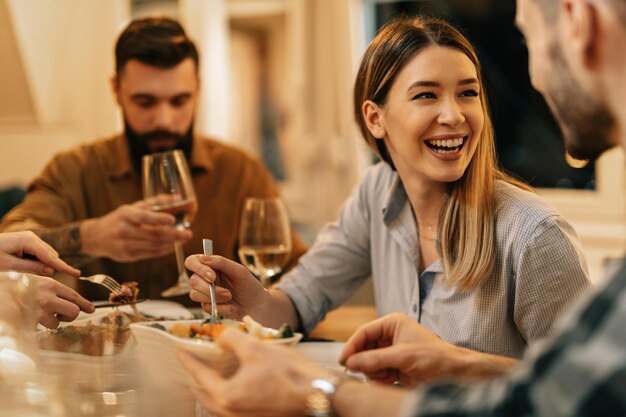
(325, 385)
(319, 402)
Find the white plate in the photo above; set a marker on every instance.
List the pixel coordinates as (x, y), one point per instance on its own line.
(155, 308)
(327, 354)
(322, 353)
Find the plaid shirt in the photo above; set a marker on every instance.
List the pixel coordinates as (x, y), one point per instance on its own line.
(581, 372)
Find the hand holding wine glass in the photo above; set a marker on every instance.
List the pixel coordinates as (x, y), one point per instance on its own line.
(168, 187)
(264, 237)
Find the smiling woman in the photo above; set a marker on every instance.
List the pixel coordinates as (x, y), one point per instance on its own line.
(448, 238)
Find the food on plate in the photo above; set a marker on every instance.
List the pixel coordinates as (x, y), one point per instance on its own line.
(128, 293)
(107, 337)
(90, 339)
(208, 331)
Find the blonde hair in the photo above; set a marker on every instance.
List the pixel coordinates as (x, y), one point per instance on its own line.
(466, 232)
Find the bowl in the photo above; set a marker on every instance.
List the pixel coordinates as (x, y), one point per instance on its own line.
(157, 348)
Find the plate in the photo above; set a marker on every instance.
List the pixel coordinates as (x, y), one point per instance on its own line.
(156, 308)
(326, 354)
(156, 350)
(322, 353)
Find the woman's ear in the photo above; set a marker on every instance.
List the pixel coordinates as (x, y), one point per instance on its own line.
(372, 114)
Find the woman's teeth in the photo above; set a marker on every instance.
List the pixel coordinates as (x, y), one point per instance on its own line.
(446, 145)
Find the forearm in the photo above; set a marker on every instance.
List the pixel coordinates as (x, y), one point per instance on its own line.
(67, 240)
(471, 364)
(363, 400)
(278, 310)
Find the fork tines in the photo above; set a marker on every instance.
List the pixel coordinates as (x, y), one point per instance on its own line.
(106, 281)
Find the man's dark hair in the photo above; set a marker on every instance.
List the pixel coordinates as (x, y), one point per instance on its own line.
(156, 41)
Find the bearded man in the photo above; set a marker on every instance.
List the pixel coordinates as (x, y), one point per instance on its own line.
(88, 204)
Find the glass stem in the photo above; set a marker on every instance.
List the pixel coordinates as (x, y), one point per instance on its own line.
(183, 277)
(180, 262)
(265, 280)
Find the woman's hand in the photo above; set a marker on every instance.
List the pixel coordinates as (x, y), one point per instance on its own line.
(237, 292)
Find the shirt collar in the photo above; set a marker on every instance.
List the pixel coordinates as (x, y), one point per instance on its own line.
(121, 165)
(394, 201)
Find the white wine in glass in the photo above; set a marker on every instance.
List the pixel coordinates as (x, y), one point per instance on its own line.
(168, 188)
(264, 238)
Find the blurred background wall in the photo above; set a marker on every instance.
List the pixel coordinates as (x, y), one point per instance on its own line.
(276, 80)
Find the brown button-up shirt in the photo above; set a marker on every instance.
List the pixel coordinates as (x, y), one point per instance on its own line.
(94, 179)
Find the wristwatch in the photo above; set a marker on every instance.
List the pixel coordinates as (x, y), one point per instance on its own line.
(320, 402)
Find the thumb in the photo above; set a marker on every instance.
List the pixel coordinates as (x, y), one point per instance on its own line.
(237, 342)
(372, 361)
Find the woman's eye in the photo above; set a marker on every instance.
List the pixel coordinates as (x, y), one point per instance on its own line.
(470, 93)
(425, 95)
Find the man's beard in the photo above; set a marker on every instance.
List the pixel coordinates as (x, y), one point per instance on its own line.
(586, 122)
(138, 143)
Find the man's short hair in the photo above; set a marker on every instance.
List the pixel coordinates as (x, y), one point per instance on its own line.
(156, 41)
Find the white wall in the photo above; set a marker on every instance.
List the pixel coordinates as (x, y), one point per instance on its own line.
(66, 49)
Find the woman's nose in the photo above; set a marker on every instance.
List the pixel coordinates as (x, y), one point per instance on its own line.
(451, 113)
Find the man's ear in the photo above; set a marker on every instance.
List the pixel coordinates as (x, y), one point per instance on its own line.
(114, 82)
(372, 113)
(583, 31)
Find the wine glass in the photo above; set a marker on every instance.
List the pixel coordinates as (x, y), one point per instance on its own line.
(264, 237)
(168, 188)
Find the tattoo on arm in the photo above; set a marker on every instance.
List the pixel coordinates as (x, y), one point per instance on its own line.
(67, 241)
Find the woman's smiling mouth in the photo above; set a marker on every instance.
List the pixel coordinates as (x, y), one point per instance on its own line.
(445, 146)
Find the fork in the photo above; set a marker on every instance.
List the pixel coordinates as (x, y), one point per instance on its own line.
(207, 245)
(106, 281)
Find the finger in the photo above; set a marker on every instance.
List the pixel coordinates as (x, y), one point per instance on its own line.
(371, 361)
(162, 233)
(242, 345)
(202, 297)
(198, 264)
(138, 215)
(44, 254)
(62, 309)
(369, 334)
(48, 320)
(153, 235)
(75, 298)
(228, 311)
(205, 376)
(206, 400)
(201, 264)
(385, 376)
(29, 266)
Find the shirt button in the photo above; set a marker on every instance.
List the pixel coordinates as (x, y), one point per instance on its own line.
(414, 308)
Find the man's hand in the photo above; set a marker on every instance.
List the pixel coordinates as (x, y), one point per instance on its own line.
(397, 348)
(25, 252)
(131, 233)
(270, 380)
(57, 302)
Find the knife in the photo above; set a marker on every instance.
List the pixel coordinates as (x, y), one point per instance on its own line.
(106, 303)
